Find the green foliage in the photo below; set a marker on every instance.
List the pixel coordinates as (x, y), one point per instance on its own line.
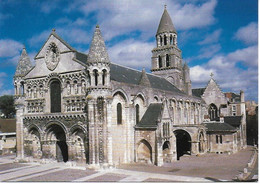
(7, 106)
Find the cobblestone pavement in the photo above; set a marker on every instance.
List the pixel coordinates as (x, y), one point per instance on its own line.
(206, 168)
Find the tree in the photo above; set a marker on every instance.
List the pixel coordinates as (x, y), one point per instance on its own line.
(7, 106)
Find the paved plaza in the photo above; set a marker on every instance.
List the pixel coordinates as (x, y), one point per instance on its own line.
(204, 168)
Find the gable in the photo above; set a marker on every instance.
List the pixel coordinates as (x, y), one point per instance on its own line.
(213, 94)
(68, 60)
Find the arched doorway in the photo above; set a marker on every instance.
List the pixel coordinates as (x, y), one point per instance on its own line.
(57, 136)
(166, 152)
(34, 149)
(80, 146)
(183, 143)
(144, 152)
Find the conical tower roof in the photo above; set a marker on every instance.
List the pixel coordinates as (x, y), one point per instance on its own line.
(24, 64)
(98, 51)
(166, 24)
(144, 79)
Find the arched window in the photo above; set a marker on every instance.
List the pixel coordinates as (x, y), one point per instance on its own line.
(167, 60)
(160, 41)
(75, 87)
(165, 40)
(119, 113)
(171, 40)
(96, 77)
(88, 78)
(213, 112)
(22, 88)
(137, 112)
(160, 62)
(55, 88)
(104, 75)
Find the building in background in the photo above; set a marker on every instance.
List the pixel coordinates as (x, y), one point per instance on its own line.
(7, 136)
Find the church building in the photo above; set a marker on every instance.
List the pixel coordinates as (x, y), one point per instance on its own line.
(85, 109)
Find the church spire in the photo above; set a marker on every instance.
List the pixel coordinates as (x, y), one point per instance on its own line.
(98, 51)
(24, 64)
(166, 24)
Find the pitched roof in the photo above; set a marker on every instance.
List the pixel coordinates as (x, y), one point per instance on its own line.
(98, 51)
(81, 57)
(166, 24)
(234, 121)
(7, 125)
(127, 75)
(151, 116)
(53, 33)
(24, 64)
(198, 92)
(219, 127)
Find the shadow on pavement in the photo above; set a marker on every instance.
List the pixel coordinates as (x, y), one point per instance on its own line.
(212, 179)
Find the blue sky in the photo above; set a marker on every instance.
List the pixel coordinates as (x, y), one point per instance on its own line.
(218, 36)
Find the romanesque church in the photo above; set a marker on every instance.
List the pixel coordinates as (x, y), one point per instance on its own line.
(84, 109)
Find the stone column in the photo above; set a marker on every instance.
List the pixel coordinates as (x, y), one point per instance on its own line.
(19, 131)
(91, 120)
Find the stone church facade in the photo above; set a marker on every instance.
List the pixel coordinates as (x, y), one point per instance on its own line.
(82, 108)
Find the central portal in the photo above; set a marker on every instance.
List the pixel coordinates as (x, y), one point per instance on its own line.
(57, 134)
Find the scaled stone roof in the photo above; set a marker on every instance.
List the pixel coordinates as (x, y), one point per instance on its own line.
(166, 24)
(234, 121)
(198, 92)
(98, 51)
(219, 127)
(151, 116)
(24, 64)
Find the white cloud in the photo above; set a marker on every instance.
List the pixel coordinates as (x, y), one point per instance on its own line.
(229, 76)
(209, 51)
(211, 38)
(121, 17)
(199, 74)
(131, 53)
(249, 56)
(9, 48)
(248, 34)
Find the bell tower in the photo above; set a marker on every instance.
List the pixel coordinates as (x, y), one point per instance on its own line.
(99, 101)
(166, 56)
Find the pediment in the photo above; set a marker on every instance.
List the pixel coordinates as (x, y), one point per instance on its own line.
(61, 44)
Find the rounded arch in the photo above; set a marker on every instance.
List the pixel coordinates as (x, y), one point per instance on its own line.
(34, 147)
(79, 140)
(144, 151)
(183, 142)
(58, 123)
(51, 77)
(57, 135)
(156, 98)
(34, 126)
(77, 126)
(142, 96)
(122, 93)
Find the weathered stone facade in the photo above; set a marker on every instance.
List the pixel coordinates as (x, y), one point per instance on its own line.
(82, 108)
